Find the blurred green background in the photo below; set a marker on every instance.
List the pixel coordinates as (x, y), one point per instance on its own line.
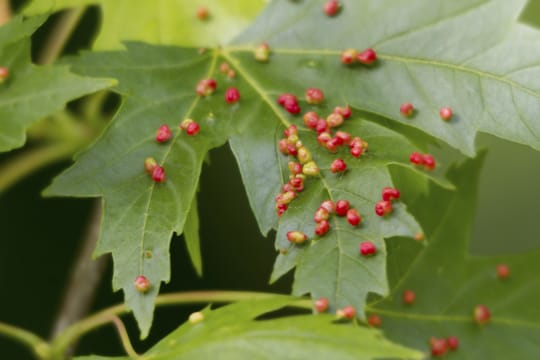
(39, 237)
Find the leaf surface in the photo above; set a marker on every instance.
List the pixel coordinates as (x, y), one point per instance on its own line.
(232, 332)
(33, 92)
(158, 86)
(139, 214)
(166, 22)
(470, 55)
(448, 283)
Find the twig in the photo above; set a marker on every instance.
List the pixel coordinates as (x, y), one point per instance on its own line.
(84, 280)
(124, 337)
(31, 160)
(5, 11)
(57, 39)
(103, 317)
(39, 346)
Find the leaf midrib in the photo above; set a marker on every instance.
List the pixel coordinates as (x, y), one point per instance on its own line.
(211, 69)
(226, 54)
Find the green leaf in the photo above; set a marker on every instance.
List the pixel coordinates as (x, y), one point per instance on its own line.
(97, 357)
(166, 22)
(331, 266)
(33, 92)
(449, 284)
(431, 53)
(158, 86)
(231, 332)
(192, 238)
(140, 215)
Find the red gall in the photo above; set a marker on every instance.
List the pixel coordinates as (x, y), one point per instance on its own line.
(356, 151)
(232, 95)
(304, 155)
(314, 96)
(481, 314)
(292, 149)
(296, 237)
(292, 107)
(297, 183)
(294, 167)
(192, 129)
(408, 297)
(428, 161)
(348, 56)
(446, 113)
(383, 208)
(322, 228)
(322, 126)
(202, 13)
(389, 193)
(342, 206)
(281, 208)
(439, 347)
(283, 146)
(453, 342)
(334, 120)
(344, 111)
(332, 7)
(320, 215)
(348, 312)
(333, 144)
(367, 248)
(503, 271)
(206, 87)
(353, 217)
(287, 197)
(367, 57)
(344, 136)
(291, 130)
(4, 73)
(338, 165)
(224, 68)
(374, 320)
(311, 119)
(288, 187)
(323, 138)
(416, 158)
(286, 97)
(406, 109)
(158, 174)
(142, 284)
(321, 305)
(329, 206)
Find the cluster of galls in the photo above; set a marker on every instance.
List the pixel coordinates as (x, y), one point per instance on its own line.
(332, 142)
(352, 56)
(340, 208)
(226, 70)
(426, 161)
(384, 207)
(207, 87)
(164, 134)
(440, 347)
(347, 312)
(291, 145)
